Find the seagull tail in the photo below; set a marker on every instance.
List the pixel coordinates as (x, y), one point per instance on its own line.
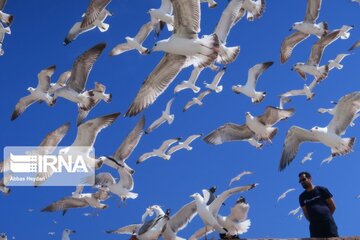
(131, 195)
(227, 54)
(209, 50)
(348, 144)
(243, 226)
(103, 27)
(89, 102)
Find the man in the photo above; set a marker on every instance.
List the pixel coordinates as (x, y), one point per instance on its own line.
(318, 207)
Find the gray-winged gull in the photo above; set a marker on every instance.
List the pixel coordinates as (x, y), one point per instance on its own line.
(196, 100)
(160, 152)
(165, 117)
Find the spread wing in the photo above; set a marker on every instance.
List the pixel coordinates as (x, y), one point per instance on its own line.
(227, 133)
(93, 11)
(64, 204)
(290, 43)
(22, 105)
(44, 78)
(183, 217)
(272, 115)
(130, 229)
(312, 10)
(186, 17)
(255, 72)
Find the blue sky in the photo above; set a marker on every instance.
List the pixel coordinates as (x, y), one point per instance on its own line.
(36, 43)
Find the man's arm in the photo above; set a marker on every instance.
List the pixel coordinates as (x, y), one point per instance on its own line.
(305, 212)
(331, 204)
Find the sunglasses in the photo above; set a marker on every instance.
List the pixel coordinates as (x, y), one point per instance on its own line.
(302, 180)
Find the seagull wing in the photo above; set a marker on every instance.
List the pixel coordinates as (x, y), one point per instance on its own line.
(292, 93)
(104, 179)
(126, 179)
(355, 45)
(272, 115)
(218, 77)
(239, 212)
(22, 105)
(192, 138)
(88, 130)
(188, 105)
(217, 203)
(201, 232)
(157, 82)
(155, 124)
(65, 203)
(229, 132)
(131, 141)
(186, 17)
(143, 32)
(203, 94)
(255, 72)
(93, 11)
(145, 156)
(2, 4)
(290, 43)
(53, 139)
(130, 229)
(294, 137)
(180, 220)
(168, 105)
(344, 113)
(227, 20)
(318, 48)
(64, 77)
(168, 143)
(166, 6)
(312, 10)
(44, 78)
(82, 67)
(174, 149)
(340, 57)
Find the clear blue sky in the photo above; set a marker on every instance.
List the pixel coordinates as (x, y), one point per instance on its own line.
(38, 31)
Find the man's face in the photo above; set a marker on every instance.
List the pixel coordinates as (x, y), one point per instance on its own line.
(304, 181)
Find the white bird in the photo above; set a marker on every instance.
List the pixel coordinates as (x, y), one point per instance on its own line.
(259, 128)
(85, 138)
(83, 200)
(235, 223)
(5, 17)
(184, 145)
(249, 88)
(134, 43)
(336, 62)
(284, 194)
(327, 160)
(211, 3)
(165, 117)
(214, 85)
(95, 16)
(294, 211)
(161, 16)
(160, 152)
(330, 135)
(3, 31)
(183, 49)
(304, 29)
(254, 9)
(190, 84)
(283, 100)
(66, 234)
(51, 233)
(306, 91)
(36, 94)
(209, 213)
(308, 157)
(97, 94)
(149, 230)
(75, 86)
(237, 178)
(300, 216)
(61, 82)
(3, 183)
(331, 111)
(196, 100)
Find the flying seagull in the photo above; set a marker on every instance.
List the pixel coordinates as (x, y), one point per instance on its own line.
(61, 82)
(160, 152)
(331, 111)
(254, 9)
(284, 194)
(3, 31)
(237, 178)
(214, 85)
(75, 87)
(165, 117)
(162, 16)
(36, 94)
(355, 45)
(66, 234)
(308, 157)
(330, 135)
(295, 211)
(249, 88)
(4, 17)
(183, 49)
(196, 100)
(184, 145)
(336, 62)
(304, 29)
(190, 84)
(259, 128)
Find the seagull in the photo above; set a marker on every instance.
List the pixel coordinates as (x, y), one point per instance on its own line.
(3, 31)
(4, 17)
(74, 89)
(211, 3)
(148, 230)
(355, 45)
(3, 181)
(259, 128)
(331, 111)
(51, 233)
(283, 100)
(295, 211)
(304, 29)
(36, 94)
(357, 1)
(249, 88)
(97, 94)
(308, 157)
(336, 62)
(236, 222)
(237, 178)
(165, 117)
(85, 138)
(214, 85)
(183, 49)
(327, 160)
(196, 100)
(330, 135)
(134, 43)
(126, 148)
(190, 84)
(160, 152)
(283, 195)
(94, 17)
(66, 234)
(61, 82)
(84, 200)
(161, 16)
(176, 222)
(184, 145)
(254, 9)
(209, 213)
(306, 91)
